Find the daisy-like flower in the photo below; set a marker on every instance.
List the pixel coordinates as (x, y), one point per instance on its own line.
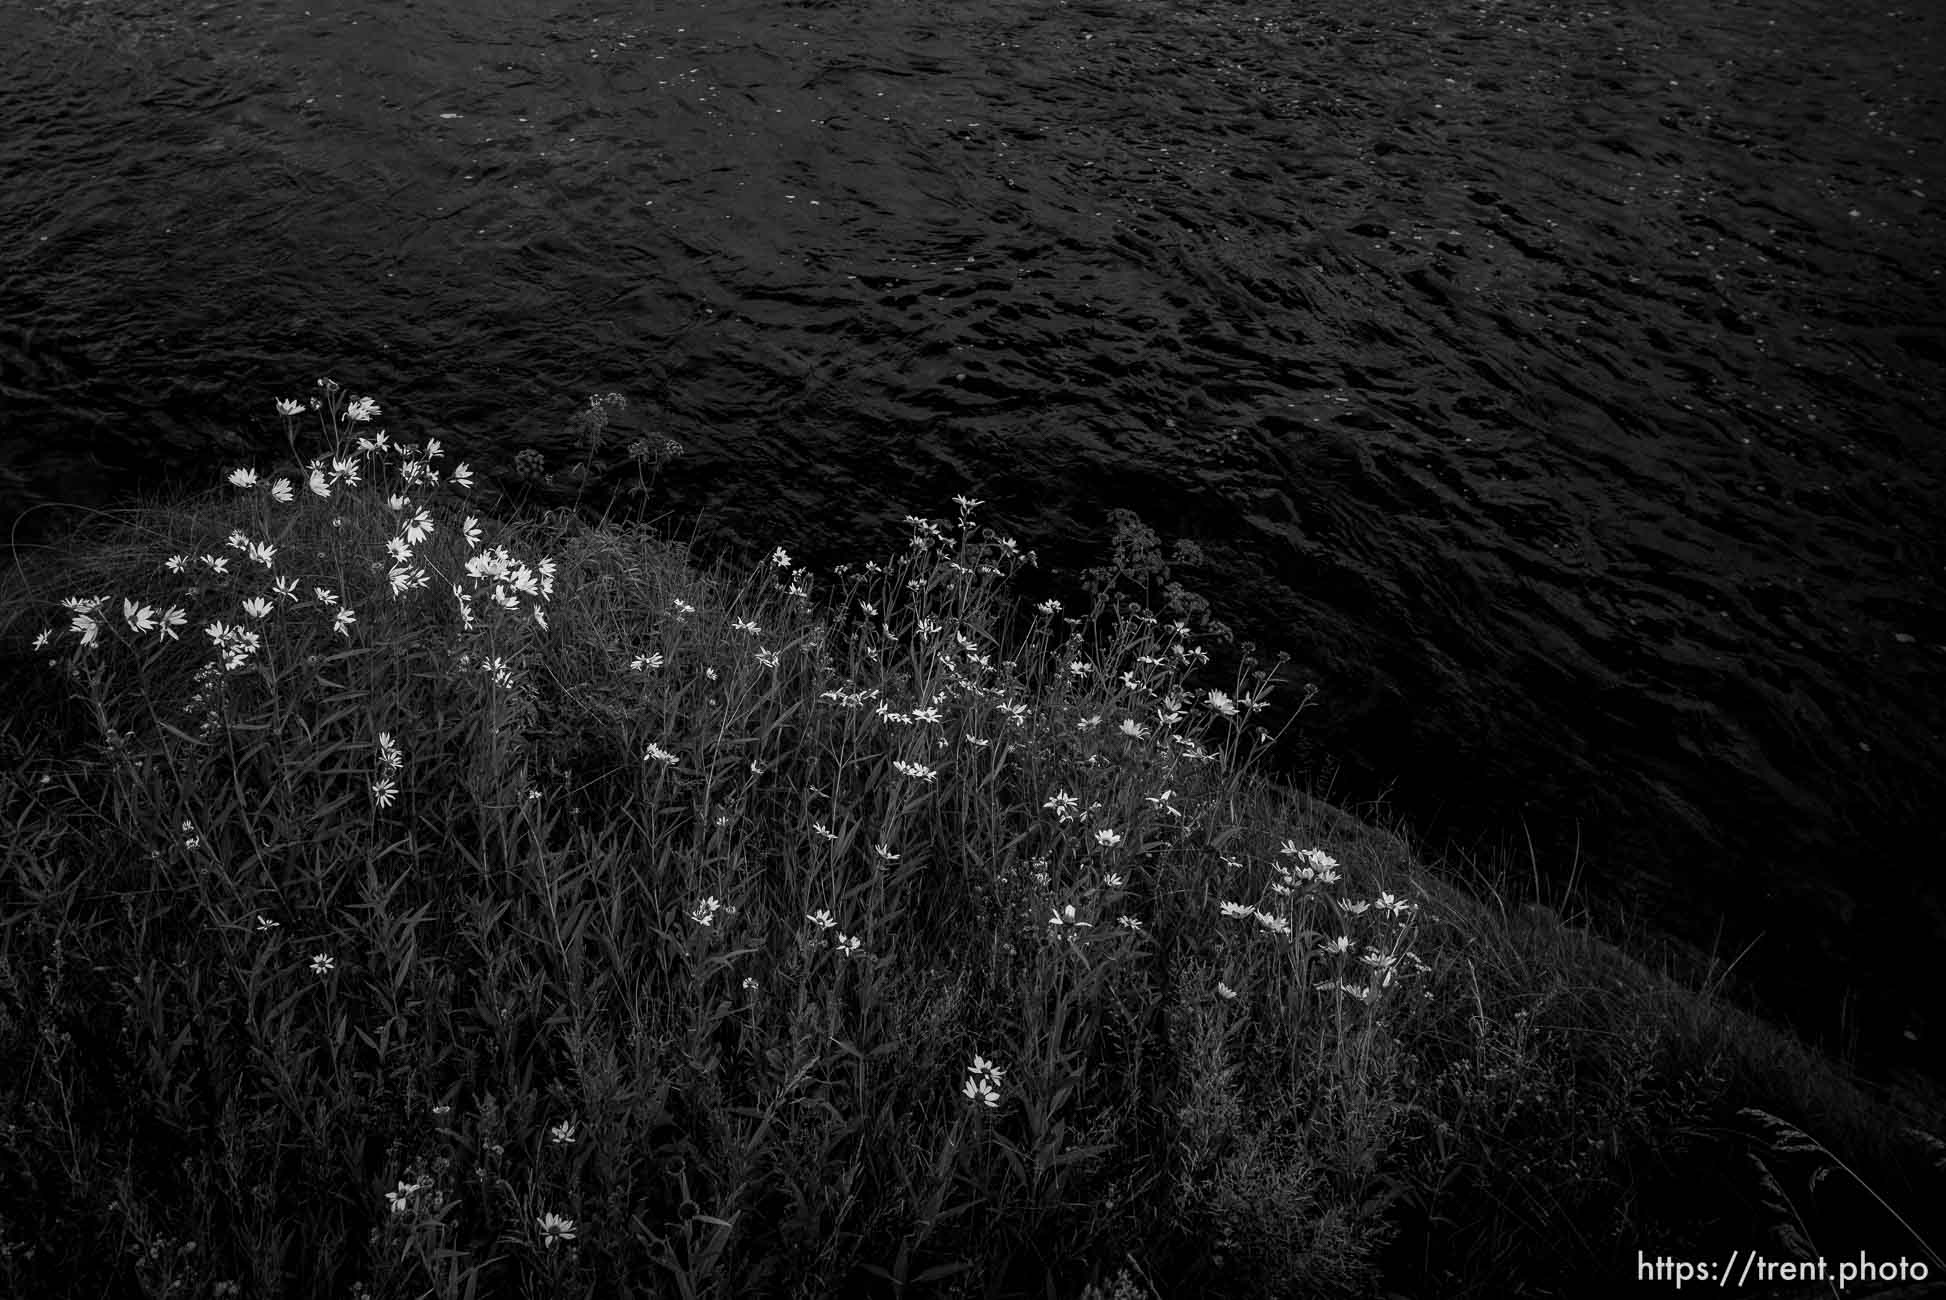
(257, 607)
(967, 503)
(262, 553)
(319, 485)
(217, 563)
(884, 852)
(1357, 907)
(745, 625)
(361, 410)
(781, 558)
(265, 924)
(87, 627)
(555, 1229)
(704, 913)
(847, 945)
(1107, 838)
(1067, 916)
(141, 618)
(1338, 947)
(1225, 992)
(341, 622)
(980, 1092)
(325, 595)
(1063, 804)
(983, 1068)
(280, 489)
(562, 1134)
(418, 528)
(401, 1200)
(822, 831)
(821, 918)
(918, 771)
(1318, 859)
(1223, 704)
(1238, 909)
(1394, 906)
(1134, 729)
(285, 406)
(384, 791)
(462, 474)
(683, 608)
(388, 751)
(323, 963)
(1128, 922)
(657, 754)
(768, 658)
(1112, 880)
(244, 478)
(176, 563)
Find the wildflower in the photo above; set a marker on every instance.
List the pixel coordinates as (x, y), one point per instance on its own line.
(361, 410)
(141, 618)
(986, 1069)
(1128, 922)
(1223, 704)
(821, 918)
(285, 406)
(402, 1199)
(1063, 804)
(322, 964)
(261, 553)
(1107, 838)
(280, 489)
(256, 607)
(768, 658)
(823, 832)
(979, 1090)
(1049, 607)
(1387, 903)
(384, 791)
(86, 627)
(745, 625)
(418, 528)
(1111, 881)
(217, 563)
(244, 478)
(918, 771)
(1067, 916)
(847, 945)
(388, 752)
(463, 475)
(40, 642)
(684, 609)
(341, 622)
(1275, 924)
(1134, 729)
(285, 587)
(704, 913)
(554, 1229)
(265, 924)
(656, 753)
(1238, 909)
(781, 558)
(884, 851)
(967, 503)
(319, 485)
(562, 1134)
(325, 595)
(643, 663)
(176, 563)
(1338, 947)
(1354, 908)
(1225, 992)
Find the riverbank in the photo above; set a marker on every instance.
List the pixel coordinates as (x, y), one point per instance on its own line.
(403, 898)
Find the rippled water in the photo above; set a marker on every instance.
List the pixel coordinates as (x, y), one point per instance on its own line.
(1560, 382)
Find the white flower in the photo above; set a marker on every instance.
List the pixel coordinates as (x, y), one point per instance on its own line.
(1223, 704)
(821, 918)
(287, 407)
(1225, 992)
(322, 964)
(462, 474)
(139, 617)
(256, 607)
(642, 663)
(562, 1134)
(281, 490)
(244, 478)
(1107, 838)
(555, 1229)
(656, 753)
(361, 410)
(1066, 916)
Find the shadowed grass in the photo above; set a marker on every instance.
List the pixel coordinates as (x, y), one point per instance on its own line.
(406, 900)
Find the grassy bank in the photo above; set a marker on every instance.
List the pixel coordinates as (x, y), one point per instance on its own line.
(405, 899)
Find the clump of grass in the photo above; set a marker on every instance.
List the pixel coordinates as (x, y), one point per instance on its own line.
(412, 901)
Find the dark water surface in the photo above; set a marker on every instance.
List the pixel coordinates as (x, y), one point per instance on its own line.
(1560, 382)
